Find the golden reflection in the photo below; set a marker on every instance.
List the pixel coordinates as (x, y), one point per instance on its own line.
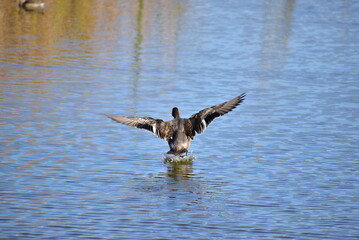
(139, 34)
(137, 50)
(110, 29)
(179, 171)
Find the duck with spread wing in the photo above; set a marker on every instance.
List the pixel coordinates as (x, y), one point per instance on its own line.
(179, 132)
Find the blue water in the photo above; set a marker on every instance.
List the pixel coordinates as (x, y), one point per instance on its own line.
(284, 164)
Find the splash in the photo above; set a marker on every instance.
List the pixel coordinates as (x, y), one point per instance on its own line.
(184, 159)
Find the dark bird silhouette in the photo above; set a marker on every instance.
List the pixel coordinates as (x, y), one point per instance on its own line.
(179, 132)
(32, 5)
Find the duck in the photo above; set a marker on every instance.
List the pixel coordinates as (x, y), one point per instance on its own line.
(31, 4)
(179, 132)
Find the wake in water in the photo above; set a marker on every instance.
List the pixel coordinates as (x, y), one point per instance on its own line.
(185, 158)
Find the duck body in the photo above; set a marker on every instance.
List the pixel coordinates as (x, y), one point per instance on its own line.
(179, 132)
(180, 140)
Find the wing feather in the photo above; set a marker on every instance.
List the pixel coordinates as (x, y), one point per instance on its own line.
(202, 119)
(157, 126)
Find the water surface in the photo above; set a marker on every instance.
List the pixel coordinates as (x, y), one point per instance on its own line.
(284, 164)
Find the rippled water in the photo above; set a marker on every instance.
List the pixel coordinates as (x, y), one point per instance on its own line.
(284, 164)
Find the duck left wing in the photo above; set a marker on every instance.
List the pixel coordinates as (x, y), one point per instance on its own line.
(202, 119)
(160, 128)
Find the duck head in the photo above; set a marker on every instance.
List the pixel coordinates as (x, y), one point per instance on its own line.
(175, 112)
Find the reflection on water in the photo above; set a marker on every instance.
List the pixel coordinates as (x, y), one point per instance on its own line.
(283, 166)
(42, 38)
(179, 171)
(276, 33)
(137, 51)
